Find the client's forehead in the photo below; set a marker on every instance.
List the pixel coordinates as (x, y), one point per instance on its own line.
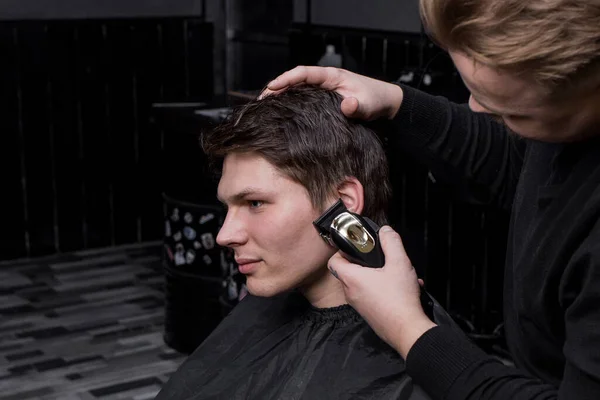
(248, 174)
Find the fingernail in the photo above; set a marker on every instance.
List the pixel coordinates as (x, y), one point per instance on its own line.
(385, 229)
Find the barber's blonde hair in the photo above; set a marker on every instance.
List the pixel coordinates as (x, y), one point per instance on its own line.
(554, 42)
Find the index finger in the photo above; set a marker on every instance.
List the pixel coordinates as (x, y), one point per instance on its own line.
(301, 74)
(392, 246)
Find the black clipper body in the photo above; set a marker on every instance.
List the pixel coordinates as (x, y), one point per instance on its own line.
(354, 235)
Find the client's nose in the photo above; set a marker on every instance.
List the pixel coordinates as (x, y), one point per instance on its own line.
(233, 232)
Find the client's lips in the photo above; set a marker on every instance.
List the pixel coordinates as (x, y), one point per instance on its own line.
(247, 265)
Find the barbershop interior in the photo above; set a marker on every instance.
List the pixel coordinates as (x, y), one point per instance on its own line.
(111, 274)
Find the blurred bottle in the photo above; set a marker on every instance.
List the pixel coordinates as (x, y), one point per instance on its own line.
(330, 58)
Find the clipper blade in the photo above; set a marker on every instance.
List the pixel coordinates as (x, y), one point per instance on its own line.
(323, 223)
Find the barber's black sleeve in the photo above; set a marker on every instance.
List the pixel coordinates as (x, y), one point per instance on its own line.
(450, 137)
(450, 367)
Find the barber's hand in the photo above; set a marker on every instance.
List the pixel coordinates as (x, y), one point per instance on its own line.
(388, 298)
(364, 98)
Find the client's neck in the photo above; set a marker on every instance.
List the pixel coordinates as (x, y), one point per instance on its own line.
(324, 291)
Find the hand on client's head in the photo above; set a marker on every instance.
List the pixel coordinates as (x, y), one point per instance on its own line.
(389, 297)
(364, 98)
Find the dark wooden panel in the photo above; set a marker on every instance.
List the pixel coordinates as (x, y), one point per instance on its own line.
(374, 59)
(355, 53)
(121, 87)
(37, 137)
(398, 57)
(466, 258)
(148, 82)
(76, 97)
(439, 243)
(305, 49)
(408, 207)
(173, 60)
(416, 215)
(200, 62)
(97, 147)
(68, 136)
(490, 304)
(12, 228)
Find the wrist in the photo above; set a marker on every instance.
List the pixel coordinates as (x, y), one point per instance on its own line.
(410, 331)
(396, 95)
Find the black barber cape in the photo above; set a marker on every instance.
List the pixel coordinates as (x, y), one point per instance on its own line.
(283, 348)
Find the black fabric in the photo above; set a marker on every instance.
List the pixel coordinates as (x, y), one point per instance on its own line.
(283, 348)
(552, 273)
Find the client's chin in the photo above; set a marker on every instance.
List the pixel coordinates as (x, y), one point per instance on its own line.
(261, 288)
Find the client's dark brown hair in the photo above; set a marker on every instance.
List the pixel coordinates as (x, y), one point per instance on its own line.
(304, 134)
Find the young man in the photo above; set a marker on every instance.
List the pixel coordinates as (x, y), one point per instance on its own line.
(536, 65)
(284, 161)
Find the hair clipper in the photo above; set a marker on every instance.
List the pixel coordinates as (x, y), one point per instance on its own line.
(357, 238)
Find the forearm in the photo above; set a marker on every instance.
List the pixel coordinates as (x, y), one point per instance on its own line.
(449, 366)
(449, 137)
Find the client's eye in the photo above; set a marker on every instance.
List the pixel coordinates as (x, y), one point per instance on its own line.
(255, 203)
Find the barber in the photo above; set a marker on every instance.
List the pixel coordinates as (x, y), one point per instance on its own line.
(535, 65)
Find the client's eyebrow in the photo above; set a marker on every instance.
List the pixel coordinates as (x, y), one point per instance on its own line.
(241, 195)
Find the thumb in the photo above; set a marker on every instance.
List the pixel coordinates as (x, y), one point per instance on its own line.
(392, 246)
(350, 107)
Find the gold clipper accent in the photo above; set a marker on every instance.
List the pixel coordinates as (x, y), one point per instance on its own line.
(351, 228)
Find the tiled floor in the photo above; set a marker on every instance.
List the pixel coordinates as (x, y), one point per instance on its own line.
(84, 325)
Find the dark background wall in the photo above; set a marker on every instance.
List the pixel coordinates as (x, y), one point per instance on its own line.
(251, 37)
(383, 15)
(80, 157)
(84, 9)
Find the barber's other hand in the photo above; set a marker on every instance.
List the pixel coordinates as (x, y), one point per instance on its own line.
(364, 98)
(388, 298)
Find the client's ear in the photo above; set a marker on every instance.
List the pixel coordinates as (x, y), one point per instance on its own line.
(351, 192)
